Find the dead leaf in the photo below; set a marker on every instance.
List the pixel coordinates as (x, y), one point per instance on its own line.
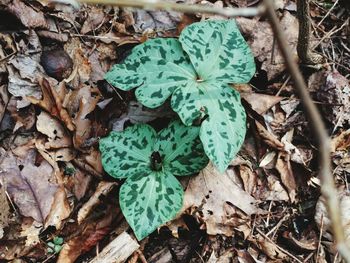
(24, 118)
(95, 17)
(268, 137)
(341, 142)
(270, 248)
(4, 209)
(260, 39)
(60, 209)
(32, 188)
(27, 15)
(334, 94)
(103, 189)
(214, 193)
(30, 231)
(89, 235)
(78, 183)
(52, 101)
(4, 99)
(284, 168)
(57, 136)
(261, 102)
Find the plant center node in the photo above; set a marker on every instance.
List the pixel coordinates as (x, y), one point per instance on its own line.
(156, 161)
(199, 79)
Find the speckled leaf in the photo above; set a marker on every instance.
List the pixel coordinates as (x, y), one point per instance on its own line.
(149, 200)
(181, 149)
(218, 51)
(157, 67)
(128, 153)
(222, 132)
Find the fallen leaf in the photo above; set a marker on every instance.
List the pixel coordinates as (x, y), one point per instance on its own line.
(268, 137)
(32, 188)
(24, 118)
(334, 94)
(270, 248)
(57, 136)
(261, 41)
(27, 15)
(261, 102)
(60, 209)
(4, 99)
(4, 208)
(89, 235)
(95, 17)
(341, 142)
(30, 231)
(214, 193)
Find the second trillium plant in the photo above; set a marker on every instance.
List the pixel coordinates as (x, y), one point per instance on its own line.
(195, 71)
(149, 161)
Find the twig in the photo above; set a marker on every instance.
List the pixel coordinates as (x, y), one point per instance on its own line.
(184, 8)
(281, 249)
(329, 11)
(327, 187)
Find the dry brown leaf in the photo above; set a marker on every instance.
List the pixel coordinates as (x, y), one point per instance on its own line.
(269, 138)
(335, 95)
(31, 188)
(275, 192)
(52, 101)
(30, 231)
(260, 39)
(24, 118)
(103, 189)
(57, 136)
(95, 17)
(89, 235)
(4, 99)
(270, 248)
(217, 195)
(27, 15)
(60, 209)
(78, 183)
(341, 142)
(261, 102)
(4, 208)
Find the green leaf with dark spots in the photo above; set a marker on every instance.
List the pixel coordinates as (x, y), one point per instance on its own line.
(181, 149)
(128, 153)
(222, 132)
(157, 67)
(218, 51)
(149, 200)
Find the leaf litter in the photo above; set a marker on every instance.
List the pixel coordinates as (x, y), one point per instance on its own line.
(264, 208)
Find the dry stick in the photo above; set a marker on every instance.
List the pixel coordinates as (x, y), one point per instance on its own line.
(328, 188)
(184, 8)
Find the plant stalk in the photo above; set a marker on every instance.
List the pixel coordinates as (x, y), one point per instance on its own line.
(328, 188)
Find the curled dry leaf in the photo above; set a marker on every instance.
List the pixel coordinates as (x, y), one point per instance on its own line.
(24, 118)
(341, 142)
(269, 138)
(103, 189)
(78, 183)
(4, 208)
(95, 17)
(52, 101)
(60, 209)
(270, 249)
(217, 195)
(89, 234)
(30, 231)
(57, 136)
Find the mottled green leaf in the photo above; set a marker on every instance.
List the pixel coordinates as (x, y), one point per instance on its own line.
(150, 199)
(128, 153)
(181, 149)
(218, 51)
(157, 67)
(222, 132)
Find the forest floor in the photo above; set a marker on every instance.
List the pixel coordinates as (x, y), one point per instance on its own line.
(58, 205)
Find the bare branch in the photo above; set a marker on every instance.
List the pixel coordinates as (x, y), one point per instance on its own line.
(171, 6)
(328, 188)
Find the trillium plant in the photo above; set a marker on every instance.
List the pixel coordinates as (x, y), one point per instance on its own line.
(195, 71)
(151, 195)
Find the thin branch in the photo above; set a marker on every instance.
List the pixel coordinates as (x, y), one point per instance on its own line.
(328, 188)
(171, 6)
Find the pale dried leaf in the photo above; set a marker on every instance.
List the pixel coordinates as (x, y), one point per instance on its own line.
(57, 136)
(261, 102)
(213, 192)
